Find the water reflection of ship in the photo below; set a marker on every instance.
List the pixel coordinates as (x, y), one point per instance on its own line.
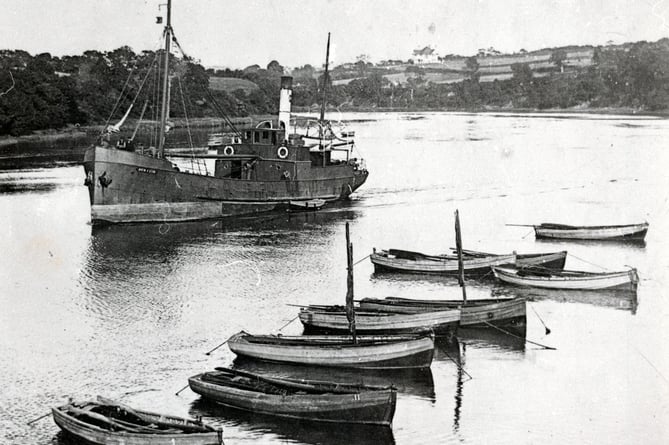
(292, 430)
(414, 382)
(621, 299)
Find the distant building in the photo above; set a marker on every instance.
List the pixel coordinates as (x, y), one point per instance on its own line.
(425, 55)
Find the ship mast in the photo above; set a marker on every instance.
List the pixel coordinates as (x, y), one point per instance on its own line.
(325, 89)
(166, 67)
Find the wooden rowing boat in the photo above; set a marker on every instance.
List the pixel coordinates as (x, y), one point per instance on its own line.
(105, 422)
(568, 279)
(508, 313)
(298, 399)
(332, 319)
(636, 232)
(370, 352)
(415, 382)
(474, 263)
(404, 261)
(306, 206)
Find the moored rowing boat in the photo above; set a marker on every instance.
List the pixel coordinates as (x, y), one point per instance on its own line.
(370, 352)
(297, 399)
(333, 320)
(568, 279)
(107, 422)
(636, 232)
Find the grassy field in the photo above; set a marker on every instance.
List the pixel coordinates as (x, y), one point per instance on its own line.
(230, 84)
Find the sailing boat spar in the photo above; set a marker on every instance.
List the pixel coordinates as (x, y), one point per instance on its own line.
(261, 169)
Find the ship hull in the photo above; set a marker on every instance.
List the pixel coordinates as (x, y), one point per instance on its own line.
(128, 187)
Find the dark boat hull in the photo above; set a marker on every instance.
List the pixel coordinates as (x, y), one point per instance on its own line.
(365, 407)
(128, 187)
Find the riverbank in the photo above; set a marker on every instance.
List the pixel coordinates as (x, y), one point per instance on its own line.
(49, 148)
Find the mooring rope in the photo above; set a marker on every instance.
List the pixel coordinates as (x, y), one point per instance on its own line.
(588, 262)
(519, 337)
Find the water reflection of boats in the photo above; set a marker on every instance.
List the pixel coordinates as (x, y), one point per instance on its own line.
(416, 382)
(294, 430)
(621, 299)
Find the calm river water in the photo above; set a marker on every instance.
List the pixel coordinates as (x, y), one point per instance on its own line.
(129, 312)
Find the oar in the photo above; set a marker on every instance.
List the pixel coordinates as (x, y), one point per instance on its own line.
(520, 225)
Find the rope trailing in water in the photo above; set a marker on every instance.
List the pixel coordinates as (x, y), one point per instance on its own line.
(548, 331)
(519, 337)
(457, 363)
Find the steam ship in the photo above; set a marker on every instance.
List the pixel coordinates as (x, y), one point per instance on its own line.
(262, 168)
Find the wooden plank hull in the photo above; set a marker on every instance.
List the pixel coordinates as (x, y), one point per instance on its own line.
(337, 351)
(633, 232)
(385, 262)
(569, 280)
(97, 435)
(508, 313)
(553, 260)
(442, 322)
(128, 187)
(365, 407)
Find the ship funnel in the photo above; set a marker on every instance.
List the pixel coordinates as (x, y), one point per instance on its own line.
(285, 99)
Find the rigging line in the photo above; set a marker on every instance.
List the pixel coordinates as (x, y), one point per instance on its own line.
(586, 261)
(223, 114)
(519, 337)
(190, 139)
(118, 101)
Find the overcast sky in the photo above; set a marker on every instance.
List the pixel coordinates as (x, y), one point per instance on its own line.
(238, 33)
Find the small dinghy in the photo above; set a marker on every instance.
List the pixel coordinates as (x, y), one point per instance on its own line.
(297, 399)
(306, 206)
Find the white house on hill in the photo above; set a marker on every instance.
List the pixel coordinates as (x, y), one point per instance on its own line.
(425, 55)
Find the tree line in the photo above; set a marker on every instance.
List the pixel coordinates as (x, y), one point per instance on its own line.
(46, 92)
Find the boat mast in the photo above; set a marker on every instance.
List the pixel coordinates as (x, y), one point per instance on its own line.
(166, 67)
(325, 79)
(461, 267)
(350, 311)
(321, 121)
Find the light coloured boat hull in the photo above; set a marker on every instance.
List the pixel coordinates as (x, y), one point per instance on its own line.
(616, 280)
(441, 322)
(630, 232)
(366, 407)
(386, 263)
(397, 354)
(510, 313)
